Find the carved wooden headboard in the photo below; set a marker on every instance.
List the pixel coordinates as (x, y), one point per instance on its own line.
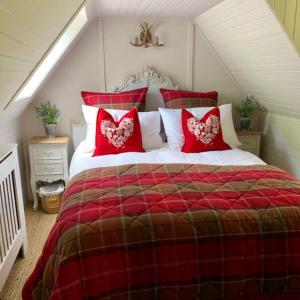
(154, 81)
(148, 77)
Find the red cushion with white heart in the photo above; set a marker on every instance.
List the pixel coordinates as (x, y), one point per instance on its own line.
(113, 137)
(204, 134)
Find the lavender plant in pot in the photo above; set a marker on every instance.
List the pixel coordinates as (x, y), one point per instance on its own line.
(48, 113)
(246, 109)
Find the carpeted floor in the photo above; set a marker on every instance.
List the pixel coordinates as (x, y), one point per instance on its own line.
(38, 227)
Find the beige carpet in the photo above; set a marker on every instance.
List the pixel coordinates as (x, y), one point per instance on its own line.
(38, 227)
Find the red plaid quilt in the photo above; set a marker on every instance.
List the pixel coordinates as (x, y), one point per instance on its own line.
(174, 231)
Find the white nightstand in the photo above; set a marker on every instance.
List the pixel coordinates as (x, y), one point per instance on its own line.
(48, 161)
(250, 141)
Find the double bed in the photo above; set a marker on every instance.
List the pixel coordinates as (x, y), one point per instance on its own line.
(170, 225)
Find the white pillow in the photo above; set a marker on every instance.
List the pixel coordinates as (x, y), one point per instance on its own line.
(173, 127)
(149, 121)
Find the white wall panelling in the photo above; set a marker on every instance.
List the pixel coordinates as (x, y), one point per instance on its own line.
(121, 58)
(281, 142)
(190, 56)
(103, 57)
(102, 67)
(154, 8)
(256, 49)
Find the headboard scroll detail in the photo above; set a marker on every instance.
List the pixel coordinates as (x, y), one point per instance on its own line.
(147, 77)
(154, 81)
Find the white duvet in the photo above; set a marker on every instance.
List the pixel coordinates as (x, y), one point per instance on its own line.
(82, 161)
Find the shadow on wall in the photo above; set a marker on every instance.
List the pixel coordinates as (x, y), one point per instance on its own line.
(274, 150)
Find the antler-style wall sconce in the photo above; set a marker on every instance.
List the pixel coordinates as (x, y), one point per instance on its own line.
(145, 38)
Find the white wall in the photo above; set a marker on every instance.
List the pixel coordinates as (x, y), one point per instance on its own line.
(80, 69)
(103, 57)
(281, 142)
(11, 132)
(255, 48)
(10, 122)
(121, 58)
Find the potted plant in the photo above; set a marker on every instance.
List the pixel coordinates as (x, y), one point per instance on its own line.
(48, 113)
(246, 109)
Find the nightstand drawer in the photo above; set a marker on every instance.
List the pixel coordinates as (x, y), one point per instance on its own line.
(49, 169)
(47, 153)
(252, 150)
(248, 141)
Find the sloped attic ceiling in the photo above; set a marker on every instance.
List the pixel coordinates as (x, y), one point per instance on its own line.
(256, 49)
(27, 30)
(154, 8)
(30, 28)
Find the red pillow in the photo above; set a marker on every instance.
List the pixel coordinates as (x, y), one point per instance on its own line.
(202, 135)
(118, 137)
(182, 99)
(124, 100)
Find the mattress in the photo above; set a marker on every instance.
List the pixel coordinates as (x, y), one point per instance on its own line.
(83, 160)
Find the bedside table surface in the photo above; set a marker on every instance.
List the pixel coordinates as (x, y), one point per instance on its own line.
(247, 132)
(45, 140)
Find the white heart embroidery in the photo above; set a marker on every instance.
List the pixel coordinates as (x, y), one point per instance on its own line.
(205, 132)
(117, 136)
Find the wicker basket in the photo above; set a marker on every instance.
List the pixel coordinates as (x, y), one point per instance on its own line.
(51, 204)
(51, 200)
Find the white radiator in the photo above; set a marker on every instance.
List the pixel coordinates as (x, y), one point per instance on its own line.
(13, 236)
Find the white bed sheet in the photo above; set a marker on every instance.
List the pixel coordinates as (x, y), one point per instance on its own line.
(82, 161)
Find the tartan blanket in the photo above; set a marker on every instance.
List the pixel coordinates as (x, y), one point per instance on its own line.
(174, 231)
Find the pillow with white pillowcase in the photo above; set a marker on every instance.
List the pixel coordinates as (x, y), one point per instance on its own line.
(149, 121)
(173, 126)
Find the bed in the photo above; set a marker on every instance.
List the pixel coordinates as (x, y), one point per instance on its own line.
(171, 225)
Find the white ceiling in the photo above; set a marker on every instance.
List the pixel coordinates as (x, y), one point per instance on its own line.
(154, 8)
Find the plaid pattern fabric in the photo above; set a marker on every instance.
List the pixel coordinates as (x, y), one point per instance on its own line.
(124, 100)
(186, 99)
(174, 231)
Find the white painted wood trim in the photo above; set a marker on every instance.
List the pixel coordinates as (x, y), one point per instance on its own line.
(190, 57)
(100, 29)
(13, 233)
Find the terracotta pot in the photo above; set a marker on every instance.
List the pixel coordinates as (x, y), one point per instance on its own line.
(50, 130)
